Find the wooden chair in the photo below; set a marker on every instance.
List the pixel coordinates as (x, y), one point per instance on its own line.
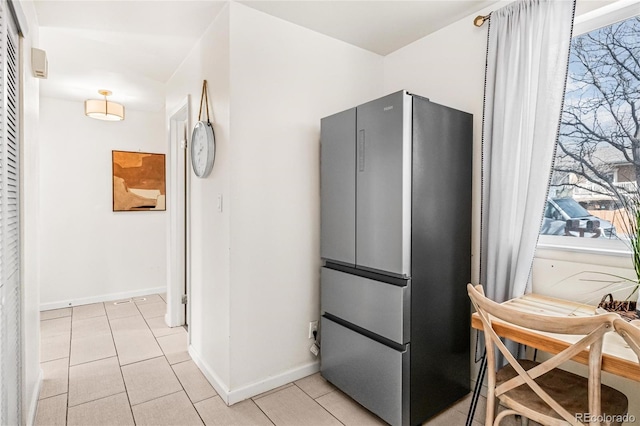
(541, 391)
(629, 332)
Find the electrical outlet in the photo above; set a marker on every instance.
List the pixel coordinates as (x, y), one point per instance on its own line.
(313, 326)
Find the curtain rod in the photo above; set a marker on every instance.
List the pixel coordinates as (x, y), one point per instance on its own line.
(479, 20)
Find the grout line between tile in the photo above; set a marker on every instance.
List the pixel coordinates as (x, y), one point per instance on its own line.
(184, 362)
(51, 319)
(180, 381)
(193, 405)
(93, 400)
(158, 397)
(93, 360)
(49, 397)
(320, 405)
(259, 408)
(57, 359)
(272, 391)
(319, 396)
(144, 360)
(124, 382)
(324, 394)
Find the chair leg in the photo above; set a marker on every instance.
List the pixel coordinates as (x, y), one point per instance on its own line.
(491, 410)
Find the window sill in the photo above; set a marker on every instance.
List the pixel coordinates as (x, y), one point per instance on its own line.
(584, 245)
(575, 269)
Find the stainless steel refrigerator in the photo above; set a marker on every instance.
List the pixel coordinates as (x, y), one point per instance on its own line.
(396, 249)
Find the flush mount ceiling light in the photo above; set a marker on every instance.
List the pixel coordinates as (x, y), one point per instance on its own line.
(103, 109)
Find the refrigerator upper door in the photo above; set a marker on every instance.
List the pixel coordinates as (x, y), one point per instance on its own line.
(383, 185)
(338, 187)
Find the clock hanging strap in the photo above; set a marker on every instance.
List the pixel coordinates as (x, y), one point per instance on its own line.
(204, 98)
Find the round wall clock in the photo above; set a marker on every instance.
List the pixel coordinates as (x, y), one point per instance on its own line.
(203, 149)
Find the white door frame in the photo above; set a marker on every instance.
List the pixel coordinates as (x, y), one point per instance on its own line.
(178, 259)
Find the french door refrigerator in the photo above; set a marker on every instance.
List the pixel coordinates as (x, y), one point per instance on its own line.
(396, 249)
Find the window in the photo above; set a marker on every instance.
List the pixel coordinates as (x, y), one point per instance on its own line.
(598, 153)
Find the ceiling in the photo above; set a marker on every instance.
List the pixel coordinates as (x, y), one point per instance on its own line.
(133, 47)
(379, 26)
(129, 47)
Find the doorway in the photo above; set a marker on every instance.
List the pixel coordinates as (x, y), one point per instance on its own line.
(178, 289)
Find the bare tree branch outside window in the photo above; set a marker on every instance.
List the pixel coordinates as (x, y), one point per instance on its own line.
(598, 154)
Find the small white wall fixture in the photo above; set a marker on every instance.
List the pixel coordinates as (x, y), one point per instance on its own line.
(39, 63)
(177, 252)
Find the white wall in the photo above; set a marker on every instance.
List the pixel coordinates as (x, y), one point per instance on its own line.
(93, 253)
(284, 78)
(210, 229)
(30, 256)
(255, 265)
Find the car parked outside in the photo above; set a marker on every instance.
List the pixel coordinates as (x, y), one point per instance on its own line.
(559, 210)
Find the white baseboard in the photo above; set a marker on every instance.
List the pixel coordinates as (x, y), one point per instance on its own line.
(101, 298)
(33, 403)
(231, 397)
(212, 377)
(273, 382)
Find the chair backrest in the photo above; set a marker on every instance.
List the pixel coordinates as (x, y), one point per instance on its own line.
(629, 332)
(592, 328)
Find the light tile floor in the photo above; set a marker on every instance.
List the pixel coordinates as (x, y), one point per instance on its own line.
(117, 363)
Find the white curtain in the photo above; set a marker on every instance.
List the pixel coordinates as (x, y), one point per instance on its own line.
(527, 59)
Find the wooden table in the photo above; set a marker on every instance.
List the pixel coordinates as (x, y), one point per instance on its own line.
(617, 357)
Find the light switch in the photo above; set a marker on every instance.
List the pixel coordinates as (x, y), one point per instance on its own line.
(220, 202)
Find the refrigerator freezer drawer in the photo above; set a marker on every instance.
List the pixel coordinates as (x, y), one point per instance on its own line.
(376, 306)
(373, 374)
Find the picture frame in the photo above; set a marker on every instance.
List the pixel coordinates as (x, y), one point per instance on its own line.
(139, 181)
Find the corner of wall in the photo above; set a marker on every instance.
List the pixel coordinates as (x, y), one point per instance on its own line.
(208, 240)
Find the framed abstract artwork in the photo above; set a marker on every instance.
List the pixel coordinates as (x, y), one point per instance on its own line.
(139, 182)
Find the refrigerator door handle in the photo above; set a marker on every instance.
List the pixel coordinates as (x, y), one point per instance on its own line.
(361, 150)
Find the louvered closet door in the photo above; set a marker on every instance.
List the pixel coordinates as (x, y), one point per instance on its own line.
(10, 301)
